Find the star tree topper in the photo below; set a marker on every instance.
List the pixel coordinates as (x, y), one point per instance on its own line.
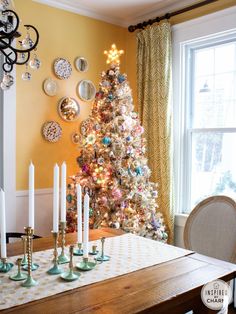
(113, 55)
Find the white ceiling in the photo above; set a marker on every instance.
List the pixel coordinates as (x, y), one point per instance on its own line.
(119, 12)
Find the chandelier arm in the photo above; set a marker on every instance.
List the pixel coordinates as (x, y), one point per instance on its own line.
(11, 34)
(9, 62)
(35, 44)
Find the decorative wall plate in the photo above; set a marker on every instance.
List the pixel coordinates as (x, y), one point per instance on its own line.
(50, 87)
(52, 131)
(86, 90)
(62, 68)
(68, 109)
(81, 64)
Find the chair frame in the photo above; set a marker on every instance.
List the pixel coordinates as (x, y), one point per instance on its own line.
(196, 210)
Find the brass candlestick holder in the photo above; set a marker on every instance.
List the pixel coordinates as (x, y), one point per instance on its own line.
(94, 250)
(85, 265)
(5, 266)
(19, 275)
(55, 270)
(70, 275)
(103, 257)
(34, 266)
(24, 260)
(63, 258)
(79, 251)
(29, 282)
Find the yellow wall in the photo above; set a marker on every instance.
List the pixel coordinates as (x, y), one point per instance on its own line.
(62, 34)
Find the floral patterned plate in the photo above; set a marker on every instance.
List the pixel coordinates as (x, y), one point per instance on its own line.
(62, 68)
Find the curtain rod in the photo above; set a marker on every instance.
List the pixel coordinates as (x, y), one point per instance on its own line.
(167, 16)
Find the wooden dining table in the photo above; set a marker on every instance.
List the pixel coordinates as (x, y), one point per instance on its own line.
(172, 287)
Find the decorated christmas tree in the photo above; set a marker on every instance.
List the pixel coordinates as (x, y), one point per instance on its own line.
(112, 163)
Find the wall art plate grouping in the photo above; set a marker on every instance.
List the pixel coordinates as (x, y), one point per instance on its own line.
(51, 131)
(62, 68)
(81, 64)
(86, 90)
(50, 87)
(68, 109)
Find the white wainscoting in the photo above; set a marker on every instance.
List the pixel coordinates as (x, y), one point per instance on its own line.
(180, 220)
(43, 211)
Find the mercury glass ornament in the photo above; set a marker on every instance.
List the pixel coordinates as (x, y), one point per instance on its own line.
(3, 86)
(3, 17)
(4, 4)
(22, 57)
(75, 137)
(26, 76)
(35, 63)
(27, 43)
(8, 79)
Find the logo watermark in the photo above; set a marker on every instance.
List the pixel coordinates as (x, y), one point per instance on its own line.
(216, 295)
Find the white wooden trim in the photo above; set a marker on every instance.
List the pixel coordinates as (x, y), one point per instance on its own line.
(217, 25)
(82, 11)
(9, 151)
(24, 193)
(157, 9)
(180, 220)
(197, 25)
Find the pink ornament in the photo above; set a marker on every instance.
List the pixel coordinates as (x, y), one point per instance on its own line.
(104, 200)
(139, 129)
(116, 193)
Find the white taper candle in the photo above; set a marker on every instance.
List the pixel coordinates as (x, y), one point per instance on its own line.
(63, 192)
(31, 195)
(3, 224)
(55, 198)
(86, 225)
(79, 214)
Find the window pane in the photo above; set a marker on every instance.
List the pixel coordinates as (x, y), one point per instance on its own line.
(214, 92)
(213, 165)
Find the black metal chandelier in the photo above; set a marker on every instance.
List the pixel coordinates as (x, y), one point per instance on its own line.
(15, 53)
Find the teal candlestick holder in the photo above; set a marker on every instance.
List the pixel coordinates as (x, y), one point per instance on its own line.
(55, 270)
(29, 282)
(19, 275)
(24, 260)
(63, 258)
(103, 257)
(85, 265)
(33, 267)
(70, 275)
(79, 251)
(5, 266)
(94, 250)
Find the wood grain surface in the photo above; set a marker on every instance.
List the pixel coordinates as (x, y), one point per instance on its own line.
(173, 287)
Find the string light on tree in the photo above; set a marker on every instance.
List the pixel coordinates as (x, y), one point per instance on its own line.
(113, 55)
(112, 162)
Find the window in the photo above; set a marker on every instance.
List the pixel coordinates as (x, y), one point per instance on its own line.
(209, 135)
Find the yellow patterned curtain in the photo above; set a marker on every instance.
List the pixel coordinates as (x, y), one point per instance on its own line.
(154, 106)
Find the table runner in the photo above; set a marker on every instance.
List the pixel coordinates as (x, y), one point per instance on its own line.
(128, 253)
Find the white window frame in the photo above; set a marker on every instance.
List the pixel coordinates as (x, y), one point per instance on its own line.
(211, 28)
